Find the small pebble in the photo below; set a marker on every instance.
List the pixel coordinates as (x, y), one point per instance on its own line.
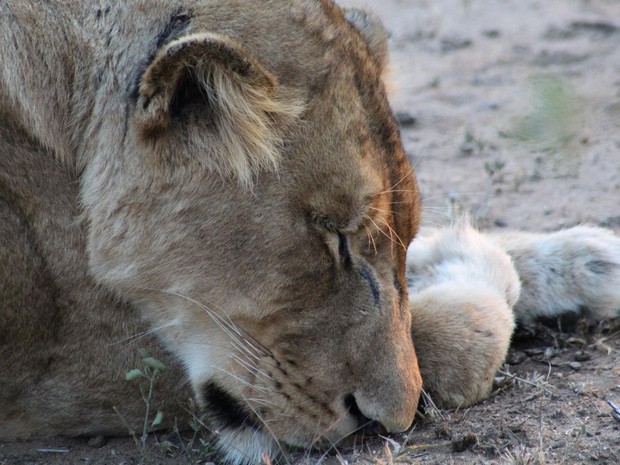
(582, 356)
(405, 119)
(491, 33)
(574, 365)
(558, 444)
(464, 441)
(443, 432)
(534, 351)
(516, 357)
(449, 44)
(97, 442)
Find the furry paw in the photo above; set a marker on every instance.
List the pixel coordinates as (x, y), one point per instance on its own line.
(462, 288)
(461, 334)
(573, 270)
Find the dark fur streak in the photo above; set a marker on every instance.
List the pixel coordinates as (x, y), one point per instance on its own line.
(367, 275)
(487, 334)
(601, 266)
(399, 288)
(102, 12)
(343, 251)
(177, 24)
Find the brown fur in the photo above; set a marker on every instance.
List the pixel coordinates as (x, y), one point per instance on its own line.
(222, 177)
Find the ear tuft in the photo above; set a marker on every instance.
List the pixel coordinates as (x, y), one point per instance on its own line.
(205, 94)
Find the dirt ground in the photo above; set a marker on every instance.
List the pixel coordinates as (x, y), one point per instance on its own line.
(510, 111)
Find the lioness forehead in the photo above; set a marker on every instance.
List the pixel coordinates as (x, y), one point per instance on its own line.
(322, 38)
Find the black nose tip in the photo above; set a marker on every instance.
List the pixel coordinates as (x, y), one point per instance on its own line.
(364, 424)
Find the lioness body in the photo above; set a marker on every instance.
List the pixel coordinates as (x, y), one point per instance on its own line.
(219, 175)
(222, 183)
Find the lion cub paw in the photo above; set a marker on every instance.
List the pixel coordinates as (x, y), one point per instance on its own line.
(462, 288)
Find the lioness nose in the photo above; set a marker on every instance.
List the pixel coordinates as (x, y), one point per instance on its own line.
(390, 391)
(391, 404)
(392, 416)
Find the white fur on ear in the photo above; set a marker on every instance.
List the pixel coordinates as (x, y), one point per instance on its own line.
(207, 91)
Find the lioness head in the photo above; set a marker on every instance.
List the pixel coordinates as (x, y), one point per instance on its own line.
(258, 214)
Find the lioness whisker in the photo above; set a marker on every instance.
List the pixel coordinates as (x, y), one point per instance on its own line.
(242, 381)
(390, 191)
(249, 338)
(215, 432)
(390, 236)
(371, 239)
(136, 337)
(378, 228)
(239, 343)
(258, 400)
(253, 369)
(227, 325)
(402, 244)
(409, 172)
(380, 210)
(334, 444)
(322, 434)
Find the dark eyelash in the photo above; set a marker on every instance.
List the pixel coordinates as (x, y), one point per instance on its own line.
(343, 251)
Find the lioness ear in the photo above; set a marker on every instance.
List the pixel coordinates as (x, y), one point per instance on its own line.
(207, 92)
(373, 32)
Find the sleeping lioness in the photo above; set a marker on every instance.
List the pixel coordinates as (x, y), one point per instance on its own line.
(221, 179)
(223, 183)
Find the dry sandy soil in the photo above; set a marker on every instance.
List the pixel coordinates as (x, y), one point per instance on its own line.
(510, 111)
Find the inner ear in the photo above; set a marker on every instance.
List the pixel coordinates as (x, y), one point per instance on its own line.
(192, 96)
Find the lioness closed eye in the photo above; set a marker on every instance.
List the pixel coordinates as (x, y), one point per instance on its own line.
(225, 176)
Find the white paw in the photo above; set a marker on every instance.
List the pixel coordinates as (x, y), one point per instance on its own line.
(572, 270)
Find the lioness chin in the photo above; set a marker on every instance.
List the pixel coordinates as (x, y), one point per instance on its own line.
(223, 179)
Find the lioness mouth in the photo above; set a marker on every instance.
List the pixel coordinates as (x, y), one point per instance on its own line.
(364, 424)
(225, 411)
